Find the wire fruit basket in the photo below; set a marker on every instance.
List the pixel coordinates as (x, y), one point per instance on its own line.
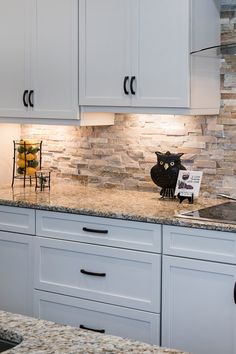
(27, 160)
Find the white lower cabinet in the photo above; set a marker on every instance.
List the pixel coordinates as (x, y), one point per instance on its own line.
(101, 274)
(99, 317)
(198, 296)
(16, 281)
(17, 230)
(108, 275)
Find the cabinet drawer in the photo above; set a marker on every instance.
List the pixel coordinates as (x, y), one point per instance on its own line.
(129, 323)
(202, 244)
(96, 230)
(21, 220)
(121, 277)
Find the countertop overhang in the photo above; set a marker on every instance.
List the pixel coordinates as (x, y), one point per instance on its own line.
(47, 337)
(111, 203)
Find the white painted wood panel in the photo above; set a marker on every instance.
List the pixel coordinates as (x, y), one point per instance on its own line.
(54, 69)
(118, 233)
(210, 245)
(128, 323)
(198, 309)
(16, 273)
(16, 219)
(14, 58)
(160, 56)
(205, 30)
(130, 278)
(104, 51)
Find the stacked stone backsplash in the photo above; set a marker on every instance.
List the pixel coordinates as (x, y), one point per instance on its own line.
(121, 156)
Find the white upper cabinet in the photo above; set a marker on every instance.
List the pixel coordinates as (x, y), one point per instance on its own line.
(104, 51)
(39, 63)
(14, 58)
(160, 55)
(135, 56)
(39, 59)
(54, 64)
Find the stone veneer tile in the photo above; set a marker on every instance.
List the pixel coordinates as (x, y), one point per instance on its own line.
(121, 156)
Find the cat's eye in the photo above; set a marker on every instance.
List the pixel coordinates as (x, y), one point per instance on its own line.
(161, 162)
(172, 163)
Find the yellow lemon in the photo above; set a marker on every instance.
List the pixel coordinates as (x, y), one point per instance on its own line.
(30, 171)
(30, 157)
(21, 156)
(21, 163)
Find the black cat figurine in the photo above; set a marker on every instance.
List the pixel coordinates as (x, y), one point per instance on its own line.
(165, 173)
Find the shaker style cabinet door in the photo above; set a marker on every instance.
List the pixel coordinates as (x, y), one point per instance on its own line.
(160, 56)
(39, 58)
(198, 306)
(104, 49)
(54, 58)
(129, 57)
(14, 58)
(16, 273)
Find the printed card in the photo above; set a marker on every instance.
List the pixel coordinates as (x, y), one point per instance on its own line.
(188, 183)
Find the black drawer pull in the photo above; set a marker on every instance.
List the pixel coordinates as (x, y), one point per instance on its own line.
(126, 78)
(92, 273)
(132, 85)
(235, 293)
(95, 230)
(24, 96)
(92, 329)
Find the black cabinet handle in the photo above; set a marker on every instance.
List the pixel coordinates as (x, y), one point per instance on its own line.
(235, 293)
(132, 85)
(86, 229)
(92, 329)
(31, 93)
(124, 85)
(24, 98)
(92, 273)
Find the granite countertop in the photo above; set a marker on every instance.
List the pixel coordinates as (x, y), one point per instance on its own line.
(39, 336)
(120, 204)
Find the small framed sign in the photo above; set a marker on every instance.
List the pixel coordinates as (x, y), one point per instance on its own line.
(188, 183)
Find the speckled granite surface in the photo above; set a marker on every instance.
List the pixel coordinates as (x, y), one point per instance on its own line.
(129, 205)
(38, 337)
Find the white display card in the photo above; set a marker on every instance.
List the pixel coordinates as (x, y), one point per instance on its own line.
(188, 183)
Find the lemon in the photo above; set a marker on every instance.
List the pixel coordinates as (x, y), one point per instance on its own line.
(30, 171)
(21, 163)
(30, 157)
(21, 156)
